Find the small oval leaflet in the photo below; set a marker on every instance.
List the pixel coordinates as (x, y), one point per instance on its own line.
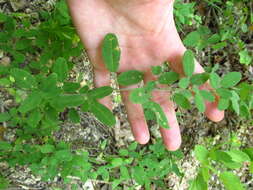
(181, 100)
(100, 92)
(214, 80)
(188, 63)
(102, 113)
(168, 78)
(130, 77)
(111, 52)
(231, 79)
(199, 101)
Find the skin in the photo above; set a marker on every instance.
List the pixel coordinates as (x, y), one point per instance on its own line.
(147, 37)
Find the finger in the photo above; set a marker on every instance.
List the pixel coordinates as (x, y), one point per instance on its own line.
(102, 78)
(136, 118)
(212, 112)
(101, 75)
(171, 137)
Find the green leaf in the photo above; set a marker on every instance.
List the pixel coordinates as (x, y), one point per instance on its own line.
(215, 38)
(100, 92)
(47, 148)
(214, 80)
(238, 156)
(200, 103)
(130, 77)
(223, 104)
(139, 175)
(124, 174)
(225, 159)
(31, 102)
(235, 105)
(201, 153)
(5, 116)
(188, 63)
(199, 79)
(224, 93)
(34, 118)
(23, 79)
(111, 52)
(116, 183)
(139, 96)
(181, 100)
(192, 39)
(74, 116)
(199, 183)
(23, 44)
(65, 100)
(156, 70)
(5, 146)
(116, 162)
(231, 79)
(249, 152)
(63, 155)
(60, 67)
(168, 78)
(160, 115)
(231, 181)
(102, 113)
(71, 87)
(245, 58)
(207, 95)
(184, 82)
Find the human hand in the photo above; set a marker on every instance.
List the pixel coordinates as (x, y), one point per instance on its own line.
(147, 37)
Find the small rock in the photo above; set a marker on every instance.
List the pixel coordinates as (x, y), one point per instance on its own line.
(5, 61)
(18, 4)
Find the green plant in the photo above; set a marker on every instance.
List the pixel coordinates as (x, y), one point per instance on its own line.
(39, 85)
(220, 162)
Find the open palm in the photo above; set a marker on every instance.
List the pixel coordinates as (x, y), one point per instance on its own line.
(147, 36)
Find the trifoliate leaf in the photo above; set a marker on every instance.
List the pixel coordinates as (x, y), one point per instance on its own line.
(111, 52)
(188, 63)
(130, 77)
(231, 79)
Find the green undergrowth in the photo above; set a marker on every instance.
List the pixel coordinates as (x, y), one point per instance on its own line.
(37, 80)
